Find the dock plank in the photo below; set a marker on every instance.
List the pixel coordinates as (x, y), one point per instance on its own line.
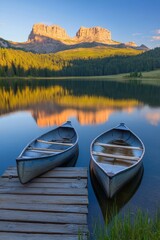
(29, 216)
(57, 172)
(43, 191)
(52, 206)
(75, 184)
(27, 236)
(47, 199)
(46, 180)
(24, 227)
(44, 207)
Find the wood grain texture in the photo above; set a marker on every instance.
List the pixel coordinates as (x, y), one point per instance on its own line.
(67, 172)
(24, 227)
(31, 236)
(42, 207)
(52, 206)
(30, 216)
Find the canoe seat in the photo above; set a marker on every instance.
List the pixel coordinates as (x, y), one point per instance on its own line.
(44, 150)
(54, 142)
(116, 162)
(115, 156)
(117, 146)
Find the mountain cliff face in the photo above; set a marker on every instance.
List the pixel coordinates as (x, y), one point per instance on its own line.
(94, 34)
(42, 30)
(47, 39)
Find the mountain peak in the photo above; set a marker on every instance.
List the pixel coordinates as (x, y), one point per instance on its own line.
(43, 30)
(94, 34)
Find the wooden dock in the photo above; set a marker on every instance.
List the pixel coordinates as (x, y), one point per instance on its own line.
(53, 206)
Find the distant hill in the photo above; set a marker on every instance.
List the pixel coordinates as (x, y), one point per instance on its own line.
(77, 62)
(52, 39)
(96, 52)
(4, 43)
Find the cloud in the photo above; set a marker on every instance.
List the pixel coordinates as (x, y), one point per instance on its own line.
(156, 38)
(157, 31)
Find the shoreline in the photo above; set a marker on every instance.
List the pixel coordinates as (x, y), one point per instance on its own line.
(146, 76)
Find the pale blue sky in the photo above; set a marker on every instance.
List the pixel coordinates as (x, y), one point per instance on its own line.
(128, 20)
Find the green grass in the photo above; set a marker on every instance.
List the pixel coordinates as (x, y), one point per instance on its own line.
(152, 74)
(96, 52)
(137, 226)
(146, 76)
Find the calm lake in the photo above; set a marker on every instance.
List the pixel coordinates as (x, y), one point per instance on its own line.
(30, 108)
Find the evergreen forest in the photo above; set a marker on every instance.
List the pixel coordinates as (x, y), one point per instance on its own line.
(26, 64)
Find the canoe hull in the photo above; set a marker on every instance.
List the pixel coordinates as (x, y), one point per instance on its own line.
(53, 149)
(32, 168)
(111, 185)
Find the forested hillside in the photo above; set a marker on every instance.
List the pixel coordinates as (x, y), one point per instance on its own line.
(20, 63)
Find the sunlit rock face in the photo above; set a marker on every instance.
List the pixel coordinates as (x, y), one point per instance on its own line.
(94, 34)
(42, 30)
(131, 44)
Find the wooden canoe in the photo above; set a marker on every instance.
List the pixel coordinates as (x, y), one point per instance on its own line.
(52, 149)
(116, 157)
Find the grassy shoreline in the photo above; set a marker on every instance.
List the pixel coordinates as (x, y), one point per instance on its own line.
(131, 226)
(151, 75)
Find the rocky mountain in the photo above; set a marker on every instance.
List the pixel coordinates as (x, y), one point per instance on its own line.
(4, 43)
(94, 34)
(53, 38)
(39, 31)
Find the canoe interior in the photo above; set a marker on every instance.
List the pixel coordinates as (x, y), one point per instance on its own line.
(51, 143)
(117, 150)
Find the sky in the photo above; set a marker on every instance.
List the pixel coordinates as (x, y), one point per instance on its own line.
(128, 20)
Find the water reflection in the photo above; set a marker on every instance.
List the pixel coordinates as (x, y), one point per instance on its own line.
(91, 102)
(110, 207)
(73, 160)
(53, 103)
(152, 115)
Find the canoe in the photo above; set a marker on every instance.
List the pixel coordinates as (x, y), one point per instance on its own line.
(52, 149)
(116, 157)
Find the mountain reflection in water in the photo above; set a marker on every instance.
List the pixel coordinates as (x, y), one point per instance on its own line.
(91, 102)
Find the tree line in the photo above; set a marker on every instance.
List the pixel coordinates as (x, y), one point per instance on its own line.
(24, 64)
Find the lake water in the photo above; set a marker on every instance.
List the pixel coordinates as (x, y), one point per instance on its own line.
(30, 108)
